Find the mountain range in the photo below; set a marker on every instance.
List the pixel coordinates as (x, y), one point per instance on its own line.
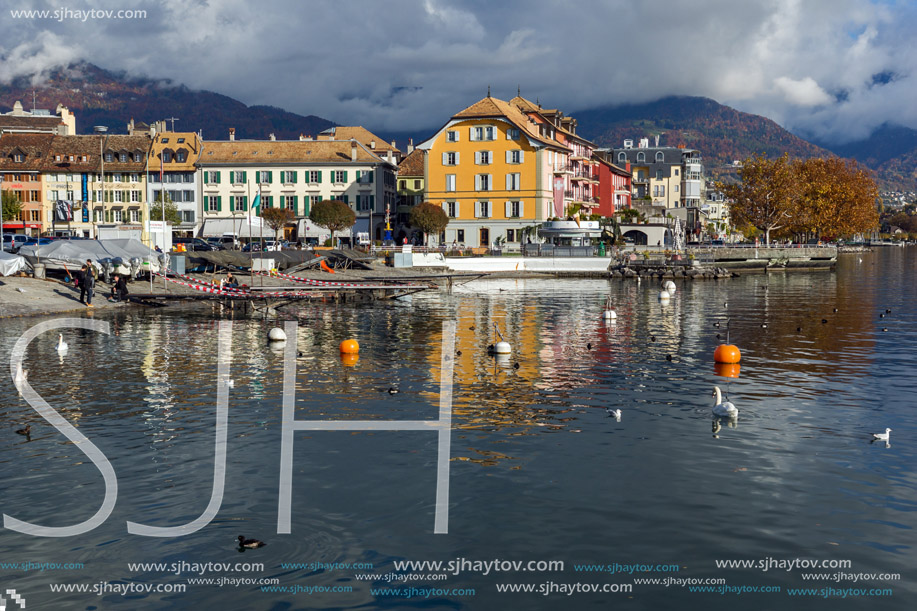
(722, 134)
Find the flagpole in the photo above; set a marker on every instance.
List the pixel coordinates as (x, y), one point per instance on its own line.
(162, 201)
(251, 255)
(260, 227)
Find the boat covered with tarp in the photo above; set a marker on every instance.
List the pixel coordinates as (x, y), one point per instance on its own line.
(11, 264)
(117, 256)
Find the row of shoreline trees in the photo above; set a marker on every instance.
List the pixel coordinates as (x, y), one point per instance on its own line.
(803, 197)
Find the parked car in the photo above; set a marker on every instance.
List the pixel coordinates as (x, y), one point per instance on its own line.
(216, 243)
(193, 244)
(37, 241)
(13, 241)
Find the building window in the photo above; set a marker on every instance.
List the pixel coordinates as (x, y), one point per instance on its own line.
(513, 210)
(460, 235)
(676, 171)
(658, 174)
(641, 157)
(402, 185)
(452, 136)
(135, 216)
(416, 185)
(483, 132)
(512, 181)
(512, 133)
(450, 158)
(676, 188)
(340, 176)
(122, 158)
(659, 157)
(514, 157)
(109, 157)
(315, 177)
(482, 182)
(238, 203)
(483, 157)
(622, 158)
(482, 210)
(287, 177)
(181, 156)
(510, 235)
(117, 215)
(135, 196)
(450, 182)
(167, 156)
(18, 157)
(138, 156)
(452, 209)
(237, 177)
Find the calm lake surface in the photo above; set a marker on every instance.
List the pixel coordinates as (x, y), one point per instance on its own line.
(539, 471)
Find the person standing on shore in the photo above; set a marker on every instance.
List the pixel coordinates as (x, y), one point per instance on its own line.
(88, 282)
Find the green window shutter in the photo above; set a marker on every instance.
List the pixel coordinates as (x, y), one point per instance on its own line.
(295, 175)
(244, 200)
(295, 205)
(218, 203)
(319, 177)
(270, 177)
(358, 175)
(372, 176)
(372, 202)
(206, 203)
(206, 174)
(216, 177)
(345, 176)
(305, 205)
(244, 176)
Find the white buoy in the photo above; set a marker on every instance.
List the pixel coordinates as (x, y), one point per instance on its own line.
(664, 295)
(609, 315)
(277, 335)
(670, 287)
(502, 348)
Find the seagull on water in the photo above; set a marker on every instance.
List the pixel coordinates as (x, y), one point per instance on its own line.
(881, 436)
(614, 413)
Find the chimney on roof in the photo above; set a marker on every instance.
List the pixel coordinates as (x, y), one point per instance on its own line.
(272, 137)
(410, 145)
(393, 145)
(372, 144)
(232, 134)
(388, 156)
(353, 150)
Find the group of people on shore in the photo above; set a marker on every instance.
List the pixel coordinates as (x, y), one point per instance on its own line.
(85, 280)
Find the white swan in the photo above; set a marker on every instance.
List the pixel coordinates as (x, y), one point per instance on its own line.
(61, 344)
(20, 378)
(882, 436)
(723, 410)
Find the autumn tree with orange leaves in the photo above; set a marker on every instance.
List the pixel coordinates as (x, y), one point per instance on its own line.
(812, 197)
(767, 196)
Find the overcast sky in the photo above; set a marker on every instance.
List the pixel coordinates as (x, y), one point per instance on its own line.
(831, 68)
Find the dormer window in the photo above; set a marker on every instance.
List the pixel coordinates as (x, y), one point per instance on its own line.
(641, 157)
(109, 157)
(167, 156)
(123, 157)
(138, 156)
(71, 158)
(181, 140)
(57, 158)
(19, 158)
(181, 155)
(165, 140)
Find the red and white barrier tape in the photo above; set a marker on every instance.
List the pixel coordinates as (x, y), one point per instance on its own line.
(227, 293)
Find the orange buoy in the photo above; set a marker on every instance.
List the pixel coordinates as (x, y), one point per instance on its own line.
(348, 359)
(727, 370)
(727, 353)
(350, 346)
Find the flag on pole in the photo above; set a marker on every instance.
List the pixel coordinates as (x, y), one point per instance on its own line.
(256, 204)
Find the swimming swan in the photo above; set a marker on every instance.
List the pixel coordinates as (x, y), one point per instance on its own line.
(723, 410)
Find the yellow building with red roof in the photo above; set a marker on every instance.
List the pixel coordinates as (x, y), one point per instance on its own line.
(491, 169)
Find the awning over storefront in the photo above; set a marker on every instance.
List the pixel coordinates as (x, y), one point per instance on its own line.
(241, 226)
(307, 229)
(21, 225)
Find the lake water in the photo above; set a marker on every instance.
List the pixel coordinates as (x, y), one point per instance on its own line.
(539, 471)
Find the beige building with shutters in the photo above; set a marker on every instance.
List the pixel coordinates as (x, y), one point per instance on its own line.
(290, 174)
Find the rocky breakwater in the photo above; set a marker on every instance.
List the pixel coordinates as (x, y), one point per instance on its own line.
(764, 259)
(690, 272)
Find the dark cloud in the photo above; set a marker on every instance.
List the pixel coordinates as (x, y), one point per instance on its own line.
(836, 68)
